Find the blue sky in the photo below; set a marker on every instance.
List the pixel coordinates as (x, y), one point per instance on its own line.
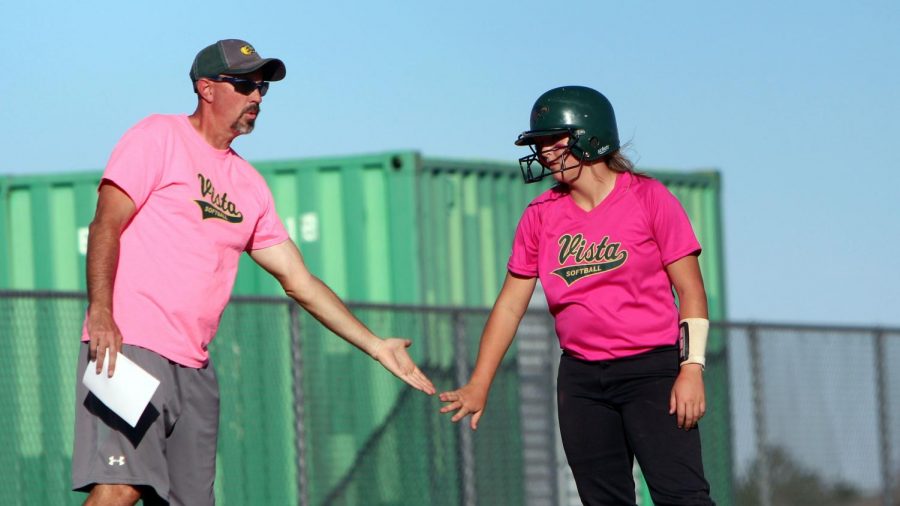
(796, 103)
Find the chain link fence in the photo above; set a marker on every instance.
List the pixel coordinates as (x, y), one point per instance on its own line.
(815, 415)
(798, 414)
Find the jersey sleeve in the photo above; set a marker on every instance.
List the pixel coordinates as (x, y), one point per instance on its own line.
(136, 163)
(523, 259)
(269, 229)
(670, 225)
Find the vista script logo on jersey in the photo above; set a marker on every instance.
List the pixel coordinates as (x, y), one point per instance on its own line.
(217, 205)
(590, 258)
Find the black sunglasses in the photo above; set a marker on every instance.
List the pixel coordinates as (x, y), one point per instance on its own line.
(243, 86)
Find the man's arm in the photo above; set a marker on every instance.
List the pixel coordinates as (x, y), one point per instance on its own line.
(285, 262)
(114, 210)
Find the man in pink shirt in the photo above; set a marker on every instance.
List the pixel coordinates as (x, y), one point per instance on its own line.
(177, 207)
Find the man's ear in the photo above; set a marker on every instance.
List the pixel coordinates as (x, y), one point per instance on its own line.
(204, 90)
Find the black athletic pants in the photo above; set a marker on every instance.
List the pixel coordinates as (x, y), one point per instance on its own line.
(613, 410)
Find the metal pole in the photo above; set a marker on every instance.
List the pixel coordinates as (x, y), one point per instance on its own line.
(466, 449)
(762, 448)
(299, 412)
(883, 419)
(537, 409)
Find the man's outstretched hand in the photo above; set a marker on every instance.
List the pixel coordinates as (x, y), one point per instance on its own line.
(392, 354)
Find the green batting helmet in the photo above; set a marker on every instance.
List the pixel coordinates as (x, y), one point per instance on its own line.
(583, 114)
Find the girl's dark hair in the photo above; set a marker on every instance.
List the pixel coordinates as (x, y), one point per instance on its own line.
(618, 162)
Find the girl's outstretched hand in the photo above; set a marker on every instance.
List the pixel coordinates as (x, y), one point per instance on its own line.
(467, 400)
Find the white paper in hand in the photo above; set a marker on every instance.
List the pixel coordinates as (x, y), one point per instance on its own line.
(127, 393)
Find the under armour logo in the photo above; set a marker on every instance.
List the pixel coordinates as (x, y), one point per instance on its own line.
(114, 460)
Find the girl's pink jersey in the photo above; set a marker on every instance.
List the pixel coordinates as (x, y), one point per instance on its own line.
(198, 209)
(603, 271)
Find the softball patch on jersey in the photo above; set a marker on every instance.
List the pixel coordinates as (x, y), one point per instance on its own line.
(590, 258)
(217, 205)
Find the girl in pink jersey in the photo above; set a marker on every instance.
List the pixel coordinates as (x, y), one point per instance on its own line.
(608, 246)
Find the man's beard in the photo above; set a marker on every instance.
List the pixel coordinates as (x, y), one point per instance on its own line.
(245, 126)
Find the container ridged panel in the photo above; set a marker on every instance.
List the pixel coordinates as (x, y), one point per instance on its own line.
(354, 220)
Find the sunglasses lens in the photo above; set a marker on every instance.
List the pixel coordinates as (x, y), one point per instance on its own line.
(244, 87)
(247, 87)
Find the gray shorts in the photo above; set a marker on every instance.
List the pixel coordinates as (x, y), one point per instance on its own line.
(173, 448)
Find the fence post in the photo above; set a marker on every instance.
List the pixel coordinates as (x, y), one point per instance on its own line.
(759, 418)
(466, 449)
(537, 409)
(299, 427)
(883, 419)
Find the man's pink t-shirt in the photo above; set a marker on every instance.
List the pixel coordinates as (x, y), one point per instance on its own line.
(197, 209)
(603, 271)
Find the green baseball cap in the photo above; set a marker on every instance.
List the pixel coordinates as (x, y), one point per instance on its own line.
(235, 57)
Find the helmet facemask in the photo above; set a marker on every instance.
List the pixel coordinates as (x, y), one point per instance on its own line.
(526, 163)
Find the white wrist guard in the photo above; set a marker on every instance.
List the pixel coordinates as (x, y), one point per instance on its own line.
(692, 341)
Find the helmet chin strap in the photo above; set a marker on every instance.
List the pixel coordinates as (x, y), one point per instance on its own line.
(564, 156)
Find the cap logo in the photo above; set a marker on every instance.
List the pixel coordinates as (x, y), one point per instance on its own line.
(247, 50)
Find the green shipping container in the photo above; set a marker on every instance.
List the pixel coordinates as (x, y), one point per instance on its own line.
(388, 228)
